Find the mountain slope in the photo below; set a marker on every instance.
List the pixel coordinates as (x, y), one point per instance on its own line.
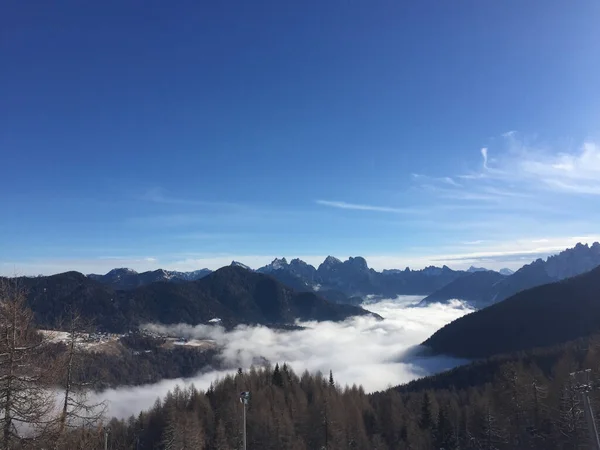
(470, 288)
(568, 263)
(541, 316)
(233, 294)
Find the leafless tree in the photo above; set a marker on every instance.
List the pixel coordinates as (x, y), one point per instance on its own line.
(25, 404)
(76, 410)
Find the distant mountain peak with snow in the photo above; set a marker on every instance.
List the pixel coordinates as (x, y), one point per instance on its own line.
(122, 270)
(239, 264)
(473, 269)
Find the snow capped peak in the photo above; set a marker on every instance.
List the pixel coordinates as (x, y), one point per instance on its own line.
(239, 264)
(122, 271)
(276, 264)
(279, 263)
(473, 269)
(506, 272)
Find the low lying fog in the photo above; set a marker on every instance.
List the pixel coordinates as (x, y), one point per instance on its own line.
(360, 350)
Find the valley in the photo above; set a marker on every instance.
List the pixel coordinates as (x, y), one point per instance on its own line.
(195, 339)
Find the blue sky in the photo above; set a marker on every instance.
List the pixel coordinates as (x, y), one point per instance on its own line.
(187, 134)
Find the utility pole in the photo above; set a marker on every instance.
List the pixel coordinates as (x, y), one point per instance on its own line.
(106, 433)
(244, 399)
(583, 385)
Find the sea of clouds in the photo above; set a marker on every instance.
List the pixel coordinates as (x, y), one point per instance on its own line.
(362, 350)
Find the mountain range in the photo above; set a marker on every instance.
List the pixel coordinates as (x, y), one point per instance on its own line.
(349, 281)
(233, 294)
(481, 289)
(352, 281)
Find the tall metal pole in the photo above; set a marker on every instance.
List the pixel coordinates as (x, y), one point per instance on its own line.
(244, 398)
(589, 415)
(106, 432)
(244, 413)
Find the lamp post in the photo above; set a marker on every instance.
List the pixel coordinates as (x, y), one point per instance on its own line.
(244, 399)
(106, 433)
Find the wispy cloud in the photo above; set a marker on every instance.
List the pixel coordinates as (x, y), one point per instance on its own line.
(360, 207)
(523, 179)
(484, 153)
(443, 180)
(536, 169)
(159, 195)
(477, 242)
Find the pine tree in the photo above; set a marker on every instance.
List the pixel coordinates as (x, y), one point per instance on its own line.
(331, 382)
(220, 440)
(426, 419)
(277, 378)
(444, 436)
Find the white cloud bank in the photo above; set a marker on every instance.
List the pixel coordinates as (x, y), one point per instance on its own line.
(361, 350)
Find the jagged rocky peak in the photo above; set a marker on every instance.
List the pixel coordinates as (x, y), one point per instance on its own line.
(279, 263)
(298, 262)
(359, 262)
(433, 270)
(331, 261)
(574, 261)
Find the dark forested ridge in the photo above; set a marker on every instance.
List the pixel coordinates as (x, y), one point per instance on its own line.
(541, 316)
(233, 294)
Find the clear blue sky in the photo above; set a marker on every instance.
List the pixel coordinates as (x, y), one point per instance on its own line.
(186, 134)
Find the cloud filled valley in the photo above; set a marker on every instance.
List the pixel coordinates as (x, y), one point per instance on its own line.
(362, 350)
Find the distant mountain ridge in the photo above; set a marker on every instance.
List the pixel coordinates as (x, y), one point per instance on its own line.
(233, 294)
(352, 280)
(486, 290)
(124, 278)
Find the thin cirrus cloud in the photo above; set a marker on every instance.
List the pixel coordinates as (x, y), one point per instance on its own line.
(527, 168)
(362, 207)
(521, 176)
